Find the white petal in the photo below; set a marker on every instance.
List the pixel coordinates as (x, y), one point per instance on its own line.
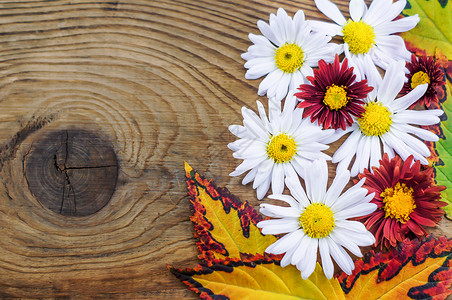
(361, 238)
(283, 86)
(396, 9)
(262, 189)
(299, 253)
(264, 172)
(297, 80)
(357, 211)
(289, 170)
(400, 25)
(278, 179)
(355, 226)
(259, 61)
(350, 145)
(422, 117)
(387, 148)
(279, 226)
(286, 198)
(297, 191)
(310, 258)
(325, 28)
(393, 46)
(316, 181)
(412, 142)
(290, 104)
(246, 165)
(363, 155)
(379, 11)
(299, 19)
(375, 154)
(402, 148)
(252, 150)
(357, 8)
(392, 83)
(239, 144)
(299, 165)
(270, 80)
(260, 70)
(260, 41)
(275, 28)
(275, 211)
(370, 70)
(330, 10)
(263, 115)
(337, 134)
(423, 134)
(274, 109)
(339, 182)
(285, 261)
(327, 263)
(284, 243)
(259, 51)
(339, 256)
(404, 102)
(240, 131)
(267, 32)
(249, 177)
(349, 199)
(340, 237)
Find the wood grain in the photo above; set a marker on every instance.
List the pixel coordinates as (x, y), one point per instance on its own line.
(159, 81)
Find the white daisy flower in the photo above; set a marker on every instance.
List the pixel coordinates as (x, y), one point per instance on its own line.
(368, 39)
(287, 51)
(318, 219)
(388, 122)
(274, 147)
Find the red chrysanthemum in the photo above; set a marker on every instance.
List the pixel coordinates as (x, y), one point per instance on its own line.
(424, 69)
(407, 199)
(333, 95)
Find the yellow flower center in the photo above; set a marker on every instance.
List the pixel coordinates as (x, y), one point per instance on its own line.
(376, 119)
(335, 97)
(317, 220)
(281, 148)
(359, 36)
(419, 78)
(289, 58)
(399, 202)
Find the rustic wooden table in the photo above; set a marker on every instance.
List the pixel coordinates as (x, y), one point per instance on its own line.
(101, 102)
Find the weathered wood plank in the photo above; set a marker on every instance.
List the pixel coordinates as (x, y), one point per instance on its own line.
(159, 81)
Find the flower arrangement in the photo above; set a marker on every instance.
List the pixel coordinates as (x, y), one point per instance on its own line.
(369, 96)
(380, 101)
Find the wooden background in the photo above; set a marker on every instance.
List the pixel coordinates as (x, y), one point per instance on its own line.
(160, 81)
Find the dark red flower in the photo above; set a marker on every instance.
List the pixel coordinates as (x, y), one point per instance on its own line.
(333, 95)
(407, 200)
(424, 69)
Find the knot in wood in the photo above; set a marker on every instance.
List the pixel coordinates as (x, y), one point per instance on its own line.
(71, 172)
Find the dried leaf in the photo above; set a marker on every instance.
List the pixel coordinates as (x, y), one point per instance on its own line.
(434, 29)
(414, 269)
(225, 227)
(258, 279)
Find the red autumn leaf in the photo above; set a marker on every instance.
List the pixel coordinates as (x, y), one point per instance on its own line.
(224, 226)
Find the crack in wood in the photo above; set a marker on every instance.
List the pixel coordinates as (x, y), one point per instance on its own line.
(66, 162)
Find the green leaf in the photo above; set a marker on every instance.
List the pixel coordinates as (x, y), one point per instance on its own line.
(444, 145)
(434, 29)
